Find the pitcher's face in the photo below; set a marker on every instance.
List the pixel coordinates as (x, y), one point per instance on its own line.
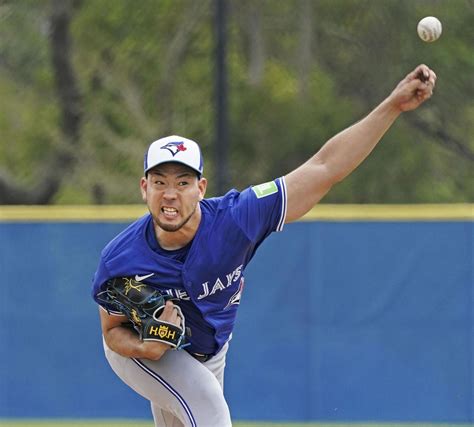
(172, 192)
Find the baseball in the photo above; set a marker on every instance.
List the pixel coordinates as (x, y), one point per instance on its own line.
(429, 29)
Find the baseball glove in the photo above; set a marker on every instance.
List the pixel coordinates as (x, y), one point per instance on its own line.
(143, 305)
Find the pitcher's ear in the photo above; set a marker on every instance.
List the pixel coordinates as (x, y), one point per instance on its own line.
(143, 187)
(202, 184)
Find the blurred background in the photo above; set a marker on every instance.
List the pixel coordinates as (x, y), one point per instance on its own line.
(86, 85)
(382, 331)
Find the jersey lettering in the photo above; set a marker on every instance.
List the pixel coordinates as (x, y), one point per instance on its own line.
(205, 289)
(232, 278)
(177, 293)
(218, 286)
(180, 294)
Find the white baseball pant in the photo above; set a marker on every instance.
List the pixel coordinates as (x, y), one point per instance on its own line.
(183, 392)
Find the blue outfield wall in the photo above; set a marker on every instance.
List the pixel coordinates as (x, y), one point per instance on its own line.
(339, 321)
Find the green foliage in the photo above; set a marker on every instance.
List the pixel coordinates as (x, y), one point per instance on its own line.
(28, 111)
(146, 69)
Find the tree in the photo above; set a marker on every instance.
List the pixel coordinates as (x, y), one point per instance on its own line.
(62, 158)
(87, 85)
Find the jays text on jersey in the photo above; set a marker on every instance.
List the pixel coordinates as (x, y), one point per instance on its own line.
(207, 275)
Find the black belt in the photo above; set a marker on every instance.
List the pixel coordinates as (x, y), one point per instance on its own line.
(201, 357)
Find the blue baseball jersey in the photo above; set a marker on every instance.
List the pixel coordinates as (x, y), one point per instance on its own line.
(207, 276)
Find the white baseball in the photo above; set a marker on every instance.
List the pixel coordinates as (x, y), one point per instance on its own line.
(429, 29)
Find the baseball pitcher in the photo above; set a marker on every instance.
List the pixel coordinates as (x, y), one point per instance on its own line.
(169, 285)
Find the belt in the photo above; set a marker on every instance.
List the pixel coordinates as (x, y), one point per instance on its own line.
(201, 357)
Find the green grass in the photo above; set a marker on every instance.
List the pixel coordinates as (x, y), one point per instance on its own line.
(130, 423)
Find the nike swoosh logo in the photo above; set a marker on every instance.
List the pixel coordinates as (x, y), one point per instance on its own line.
(140, 278)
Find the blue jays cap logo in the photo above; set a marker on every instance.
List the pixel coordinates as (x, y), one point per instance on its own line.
(174, 147)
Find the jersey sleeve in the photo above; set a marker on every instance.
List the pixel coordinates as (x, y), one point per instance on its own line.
(261, 209)
(100, 277)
